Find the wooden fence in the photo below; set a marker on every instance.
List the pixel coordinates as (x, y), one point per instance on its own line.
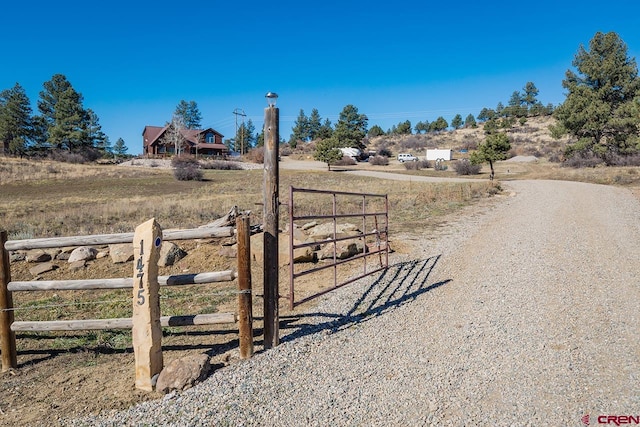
(9, 326)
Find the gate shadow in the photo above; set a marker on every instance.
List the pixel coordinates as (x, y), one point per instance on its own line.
(400, 284)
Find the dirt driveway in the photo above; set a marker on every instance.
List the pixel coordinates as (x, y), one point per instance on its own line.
(524, 313)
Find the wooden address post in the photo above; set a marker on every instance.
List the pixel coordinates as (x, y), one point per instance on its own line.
(245, 306)
(146, 331)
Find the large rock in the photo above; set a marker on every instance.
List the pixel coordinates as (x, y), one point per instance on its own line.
(309, 225)
(15, 256)
(65, 253)
(37, 255)
(183, 373)
(82, 253)
(42, 268)
(325, 230)
(77, 265)
(122, 252)
(299, 255)
(54, 252)
(170, 253)
(344, 250)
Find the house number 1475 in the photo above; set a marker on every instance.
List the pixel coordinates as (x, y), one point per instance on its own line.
(139, 267)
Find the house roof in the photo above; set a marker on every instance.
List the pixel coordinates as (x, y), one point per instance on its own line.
(153, 133)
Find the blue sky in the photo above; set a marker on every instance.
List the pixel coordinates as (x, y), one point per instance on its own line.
(134, 61)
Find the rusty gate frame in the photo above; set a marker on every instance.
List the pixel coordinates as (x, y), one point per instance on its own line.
(380, 248)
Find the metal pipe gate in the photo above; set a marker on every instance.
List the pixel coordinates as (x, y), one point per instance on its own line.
(378, 234)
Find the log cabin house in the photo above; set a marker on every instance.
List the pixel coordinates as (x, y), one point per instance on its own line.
(198, 142)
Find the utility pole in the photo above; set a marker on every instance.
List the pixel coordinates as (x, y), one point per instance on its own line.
(240, 112)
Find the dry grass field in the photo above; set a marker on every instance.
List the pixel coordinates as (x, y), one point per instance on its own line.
(69, 374)
(72, 373)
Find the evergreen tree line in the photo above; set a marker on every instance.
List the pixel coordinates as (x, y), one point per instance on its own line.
(62, 123)
(521, 105)
(601, 112)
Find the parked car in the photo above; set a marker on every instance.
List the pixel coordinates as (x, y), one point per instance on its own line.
(406, 157)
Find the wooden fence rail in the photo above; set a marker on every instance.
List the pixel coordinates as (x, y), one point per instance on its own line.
(109, 239)
(8, 325)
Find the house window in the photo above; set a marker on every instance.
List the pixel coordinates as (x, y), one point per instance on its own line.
(210, 138)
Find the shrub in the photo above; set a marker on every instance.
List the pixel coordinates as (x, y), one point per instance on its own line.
(256, 155)
(345, 161)
(440, 166)
(413, 166)
(67, 157)
(187, 168)
(420, 164)
(465, 167)
(286, 151)
(189, 172)
(612, 159)
(379, 160)
(184, 161)
(582, 161)
(555, 157)
(470, 142)
(220, 165)
(412, 143)
(384, 152)
(424, 164)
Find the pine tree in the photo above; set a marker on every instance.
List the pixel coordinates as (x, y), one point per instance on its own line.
(97, 138)
(530, 96)
(189, 113)
(300, 130)
(327, 151)
(422, 127)
(351, 128)
(63, 122)
(456, 123)
(16, 126)
(470, 122)
(314, 124)
(245, 137)
(326, 130)
(493, 149)
(375, 131)
(601, 108)
(119, 148)
(439, 125)
(69, 130)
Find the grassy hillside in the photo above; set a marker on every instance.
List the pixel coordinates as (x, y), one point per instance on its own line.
(531, 139)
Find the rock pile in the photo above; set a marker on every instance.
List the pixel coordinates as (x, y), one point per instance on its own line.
(77, 257)
(317, 241)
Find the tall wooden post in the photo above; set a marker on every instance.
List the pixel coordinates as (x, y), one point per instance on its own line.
(7, 336)
(245, 308)
(270, 218)
(147, 333)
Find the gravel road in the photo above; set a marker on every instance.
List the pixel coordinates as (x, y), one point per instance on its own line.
(524, 313)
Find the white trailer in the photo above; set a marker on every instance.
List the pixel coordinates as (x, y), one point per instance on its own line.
(354, 153)
(437, 154)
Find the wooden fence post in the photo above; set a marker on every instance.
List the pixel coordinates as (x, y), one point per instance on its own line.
(146, 331)
(245, 308)
(7, 336)
(270, 218)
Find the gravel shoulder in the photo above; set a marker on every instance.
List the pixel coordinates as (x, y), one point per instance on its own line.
(522, 312)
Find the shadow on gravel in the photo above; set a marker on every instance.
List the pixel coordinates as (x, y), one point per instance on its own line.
(398, 285)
